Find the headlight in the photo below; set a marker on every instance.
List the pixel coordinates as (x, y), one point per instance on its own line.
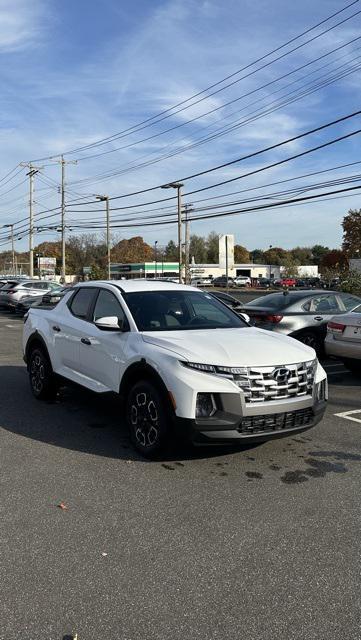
(211, 368)
(207, 368)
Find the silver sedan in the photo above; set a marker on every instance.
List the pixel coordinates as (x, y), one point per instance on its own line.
(343, 339)
(301, 314)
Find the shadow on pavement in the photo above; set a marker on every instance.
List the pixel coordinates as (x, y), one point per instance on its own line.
(78, 420)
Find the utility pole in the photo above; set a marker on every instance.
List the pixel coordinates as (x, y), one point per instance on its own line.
(62, 224)
(31, 173)
(178, 186)
(187, 209)
(107, 213)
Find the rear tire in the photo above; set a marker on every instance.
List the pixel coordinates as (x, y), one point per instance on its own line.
(41, 375)
(312, 340)
(148, 419)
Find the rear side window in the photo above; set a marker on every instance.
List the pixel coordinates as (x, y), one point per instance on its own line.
(348, 301)
(80, 303)
(273, 301)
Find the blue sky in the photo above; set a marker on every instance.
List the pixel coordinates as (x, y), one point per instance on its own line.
(74, 72)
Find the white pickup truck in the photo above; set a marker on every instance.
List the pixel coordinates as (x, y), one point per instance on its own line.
(181, 360)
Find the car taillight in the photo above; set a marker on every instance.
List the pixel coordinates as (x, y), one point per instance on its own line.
(11, 291)
(273, 318)
(336, 327)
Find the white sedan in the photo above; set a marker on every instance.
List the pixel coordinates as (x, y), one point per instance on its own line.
(343, 339)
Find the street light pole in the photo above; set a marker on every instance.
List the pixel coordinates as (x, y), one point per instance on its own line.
(107, 213)
(178, 186)
(155, 259)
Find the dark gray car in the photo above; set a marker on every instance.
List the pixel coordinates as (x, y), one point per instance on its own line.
(300, 314)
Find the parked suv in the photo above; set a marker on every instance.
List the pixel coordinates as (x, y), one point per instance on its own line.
(181, 360)
(13, 292)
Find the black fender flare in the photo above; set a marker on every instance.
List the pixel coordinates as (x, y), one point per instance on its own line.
(35, 340)
(141, 370)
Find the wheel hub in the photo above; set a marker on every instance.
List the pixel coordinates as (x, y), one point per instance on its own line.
(37, 373)
(144, 418)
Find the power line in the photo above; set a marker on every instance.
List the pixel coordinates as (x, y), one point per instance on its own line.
(171, 110)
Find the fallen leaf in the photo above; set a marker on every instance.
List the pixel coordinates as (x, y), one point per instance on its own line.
(104, 554)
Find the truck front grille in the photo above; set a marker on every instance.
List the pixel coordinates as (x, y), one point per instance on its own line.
(264, 384)
(276, 422)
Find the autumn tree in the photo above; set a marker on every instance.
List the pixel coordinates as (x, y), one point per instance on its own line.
(257, 256)
(351, 225)
(335, 259)
(171, 251)
(198, 249)
(241, 254)
(301, 255)
(132, 250)
(276, 256)
(212, 244)
(318, 252)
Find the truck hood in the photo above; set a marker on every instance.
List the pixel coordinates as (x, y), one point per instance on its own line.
(232, 347)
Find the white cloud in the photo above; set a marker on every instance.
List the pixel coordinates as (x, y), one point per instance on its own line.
(21, 24)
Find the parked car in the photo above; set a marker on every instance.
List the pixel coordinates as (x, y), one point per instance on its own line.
(202, 281)
(50, 298)
(264, 283)
(181, 360)
(343, 339)
(288, 282)
(301, 314)
(242, 281)
(300, 283)
(9, 285)
(12, 293)
(221, 281)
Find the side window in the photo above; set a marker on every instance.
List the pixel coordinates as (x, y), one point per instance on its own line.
(107, 305)
(80, 303)
(348, 301)
(28, 285)
(325, 304)
(307, 306)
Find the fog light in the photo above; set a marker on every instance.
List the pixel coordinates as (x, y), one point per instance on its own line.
(321, 391)
(206, 406)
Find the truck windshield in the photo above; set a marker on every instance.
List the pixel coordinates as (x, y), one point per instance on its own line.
(179, 311)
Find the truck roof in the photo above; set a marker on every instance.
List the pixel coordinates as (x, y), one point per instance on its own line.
(134, 285)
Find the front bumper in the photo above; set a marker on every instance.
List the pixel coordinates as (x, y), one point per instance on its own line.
(226, 427)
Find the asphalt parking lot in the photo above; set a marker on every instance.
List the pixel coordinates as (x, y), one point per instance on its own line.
(253, 544)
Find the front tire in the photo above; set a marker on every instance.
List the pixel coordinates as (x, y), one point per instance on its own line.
(148, 419)
(41, 375)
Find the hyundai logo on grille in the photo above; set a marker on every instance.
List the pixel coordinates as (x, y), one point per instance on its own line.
(282, 374)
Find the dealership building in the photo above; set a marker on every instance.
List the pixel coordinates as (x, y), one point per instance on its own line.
(162, 269)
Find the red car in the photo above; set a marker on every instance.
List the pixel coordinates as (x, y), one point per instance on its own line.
(288, 282)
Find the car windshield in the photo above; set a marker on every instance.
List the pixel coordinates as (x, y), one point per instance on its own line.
(273, 301)
(179, 311)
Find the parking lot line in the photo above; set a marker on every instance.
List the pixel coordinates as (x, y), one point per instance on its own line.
(349, 415)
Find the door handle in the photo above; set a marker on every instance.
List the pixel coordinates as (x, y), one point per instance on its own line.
(56, 328)
(318, 318)
(85, 341)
